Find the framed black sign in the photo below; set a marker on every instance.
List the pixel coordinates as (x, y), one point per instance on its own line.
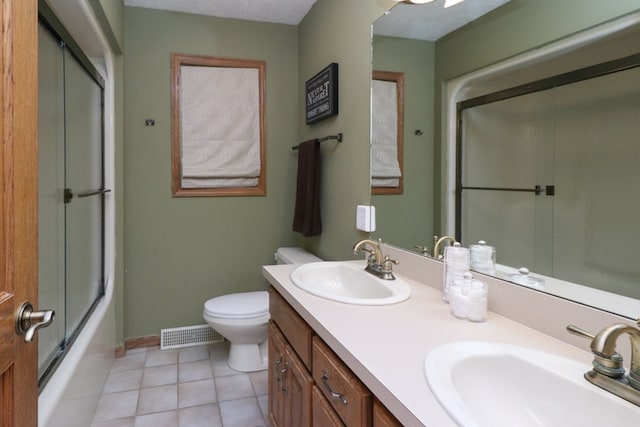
(321, 94)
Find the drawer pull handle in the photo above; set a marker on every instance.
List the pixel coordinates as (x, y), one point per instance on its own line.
(282, 372)
(275, 365)
(334, 395)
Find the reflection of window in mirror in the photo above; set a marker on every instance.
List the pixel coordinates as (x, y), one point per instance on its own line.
(218, 126)
(387, 132)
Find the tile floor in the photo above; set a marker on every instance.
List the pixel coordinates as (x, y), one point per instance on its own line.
(187, 387)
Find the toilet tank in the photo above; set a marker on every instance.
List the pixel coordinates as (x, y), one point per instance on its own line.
(294, 256)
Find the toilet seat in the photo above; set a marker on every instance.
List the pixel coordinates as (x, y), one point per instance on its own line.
(243, 305)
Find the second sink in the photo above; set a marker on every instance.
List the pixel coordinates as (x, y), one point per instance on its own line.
(494, 385)
(348, 283)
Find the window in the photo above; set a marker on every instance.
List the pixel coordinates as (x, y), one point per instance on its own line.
(218, 125)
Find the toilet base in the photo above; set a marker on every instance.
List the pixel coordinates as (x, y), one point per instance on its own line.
(248, 357)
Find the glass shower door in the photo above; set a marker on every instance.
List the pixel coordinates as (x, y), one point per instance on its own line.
(507, 163)
(71, 184)
(84, 179)
(51, 216)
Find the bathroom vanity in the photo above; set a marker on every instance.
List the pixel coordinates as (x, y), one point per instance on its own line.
(323, 353)
(308, 383)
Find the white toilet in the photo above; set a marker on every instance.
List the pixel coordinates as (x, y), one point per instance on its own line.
(242, 318)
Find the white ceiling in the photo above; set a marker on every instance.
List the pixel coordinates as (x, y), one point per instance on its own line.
(432, 20)
(278, 11)
(426, 21)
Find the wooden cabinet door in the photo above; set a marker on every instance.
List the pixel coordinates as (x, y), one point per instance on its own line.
(323, 413)
(276, 363)
(18, 208)
(382, 417)
(298, 394)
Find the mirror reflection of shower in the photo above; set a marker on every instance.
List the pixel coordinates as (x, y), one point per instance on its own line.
(427, 206)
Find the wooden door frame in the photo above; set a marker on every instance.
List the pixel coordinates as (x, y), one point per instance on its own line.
(18, 208)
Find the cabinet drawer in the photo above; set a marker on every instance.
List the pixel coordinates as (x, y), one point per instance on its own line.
(347, 395)
(293, 327)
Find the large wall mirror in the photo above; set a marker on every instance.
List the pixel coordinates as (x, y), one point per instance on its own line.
(579, 138)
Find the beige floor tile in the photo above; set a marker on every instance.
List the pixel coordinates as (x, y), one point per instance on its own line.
(242, 413)
(158, 399)
(196, 393)
(122, 422)
(194, 371)
(200, 416)
(157, 357)
(259, 381)
(221, 368)
(263, 401)
(160, 375)
(129, 362)
(180, 388)
(123, 381)
(234, 387)
(116, 405)
(193, 354)
(159, 419)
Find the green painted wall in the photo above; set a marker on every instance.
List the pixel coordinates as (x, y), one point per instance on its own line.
(340, 31)
(518, 26)
(415, 58)
(181, 251)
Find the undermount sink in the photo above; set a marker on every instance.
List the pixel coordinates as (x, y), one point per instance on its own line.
(349, 283)
(492, 384)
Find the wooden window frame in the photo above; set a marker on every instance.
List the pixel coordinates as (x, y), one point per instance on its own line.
(398, 79)
(179, 60)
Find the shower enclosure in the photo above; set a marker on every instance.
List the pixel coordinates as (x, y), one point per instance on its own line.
(71, 190)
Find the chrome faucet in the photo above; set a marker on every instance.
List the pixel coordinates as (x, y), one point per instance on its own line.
(608, 371)
(436, 246)
(377, 263)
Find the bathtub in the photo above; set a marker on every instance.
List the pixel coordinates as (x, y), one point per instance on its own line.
(70, 397)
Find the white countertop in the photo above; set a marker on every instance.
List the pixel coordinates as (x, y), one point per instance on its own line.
(385, 346)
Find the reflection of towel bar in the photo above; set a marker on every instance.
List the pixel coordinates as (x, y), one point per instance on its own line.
(337, 137)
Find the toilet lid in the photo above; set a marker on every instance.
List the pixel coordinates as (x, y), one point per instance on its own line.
(243, 305)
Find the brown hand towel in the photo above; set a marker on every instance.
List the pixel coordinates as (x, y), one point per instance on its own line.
(306, 219)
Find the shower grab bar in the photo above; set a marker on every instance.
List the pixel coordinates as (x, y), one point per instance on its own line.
(68, 194)
(549, 190)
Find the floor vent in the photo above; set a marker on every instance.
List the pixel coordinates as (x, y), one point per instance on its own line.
(188, 336)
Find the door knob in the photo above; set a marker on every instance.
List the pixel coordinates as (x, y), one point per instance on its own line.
(29, 321)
